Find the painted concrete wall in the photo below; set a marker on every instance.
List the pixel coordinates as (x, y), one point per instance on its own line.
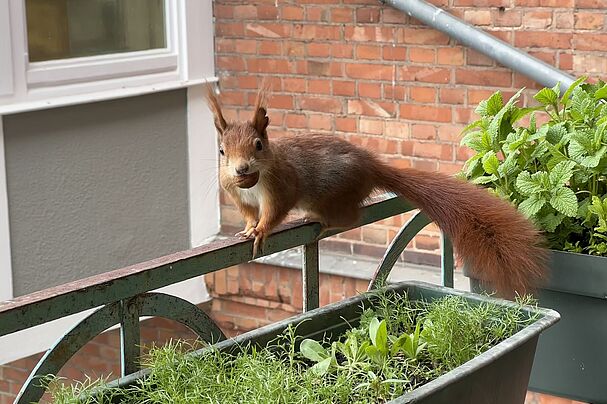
(96, 187)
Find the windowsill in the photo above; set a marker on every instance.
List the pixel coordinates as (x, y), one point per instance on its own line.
(126, 92)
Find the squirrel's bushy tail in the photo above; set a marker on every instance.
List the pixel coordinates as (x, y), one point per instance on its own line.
(495, 241)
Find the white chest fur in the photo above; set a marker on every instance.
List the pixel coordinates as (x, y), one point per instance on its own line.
(252, 196)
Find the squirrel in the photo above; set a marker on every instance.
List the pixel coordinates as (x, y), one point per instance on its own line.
(329, 179)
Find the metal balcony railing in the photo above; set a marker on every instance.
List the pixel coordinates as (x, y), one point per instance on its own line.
(123, 295)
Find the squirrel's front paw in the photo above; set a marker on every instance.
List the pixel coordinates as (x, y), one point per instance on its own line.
(246, 233)
(260, 237)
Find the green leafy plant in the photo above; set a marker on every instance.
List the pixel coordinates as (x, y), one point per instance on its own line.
(554, 172)
(397, 346)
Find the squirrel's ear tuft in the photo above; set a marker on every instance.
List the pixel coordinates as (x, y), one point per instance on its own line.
(213, 103)
(260, 119)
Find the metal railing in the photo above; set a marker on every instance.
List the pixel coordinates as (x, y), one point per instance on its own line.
(124, 294)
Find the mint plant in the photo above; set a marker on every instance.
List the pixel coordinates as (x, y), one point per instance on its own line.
(555, 172)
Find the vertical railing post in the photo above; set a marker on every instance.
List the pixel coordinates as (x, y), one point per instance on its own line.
(129, 336)
(447, 262)
(310, 276)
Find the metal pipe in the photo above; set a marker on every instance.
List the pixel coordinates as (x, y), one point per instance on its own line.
(488, 45)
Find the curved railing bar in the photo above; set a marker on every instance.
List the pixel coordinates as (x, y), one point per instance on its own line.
(400, 242)
(182, 311)
(149, 304)
(58, 355)
(396, 247)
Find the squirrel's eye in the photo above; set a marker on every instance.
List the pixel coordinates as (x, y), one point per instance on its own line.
(258, 145)
(221, 151)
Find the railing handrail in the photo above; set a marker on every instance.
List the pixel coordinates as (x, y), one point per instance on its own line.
(49, 304)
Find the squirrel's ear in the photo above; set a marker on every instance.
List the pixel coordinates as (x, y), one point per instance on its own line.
(213, 103)
(260, 119)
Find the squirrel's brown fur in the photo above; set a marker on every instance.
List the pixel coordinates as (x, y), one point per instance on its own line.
(329, 178)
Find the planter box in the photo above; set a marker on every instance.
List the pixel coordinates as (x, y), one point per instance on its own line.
(498, 376)
(571, 358)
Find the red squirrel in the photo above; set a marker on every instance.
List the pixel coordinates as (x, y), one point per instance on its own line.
(329, 179)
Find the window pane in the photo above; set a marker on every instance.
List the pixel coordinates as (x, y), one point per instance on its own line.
(61, 29)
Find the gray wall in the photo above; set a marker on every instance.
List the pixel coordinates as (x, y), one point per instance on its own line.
(95, 187)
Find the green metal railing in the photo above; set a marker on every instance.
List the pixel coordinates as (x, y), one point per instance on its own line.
(123, 295)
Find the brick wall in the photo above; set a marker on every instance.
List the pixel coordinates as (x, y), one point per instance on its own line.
(370, 74)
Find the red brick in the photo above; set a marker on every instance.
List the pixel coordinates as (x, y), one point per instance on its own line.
(450, 56)
(425, 74)
(432, 150)
(345, 124)
(326, 105)
(291, 12)
(342, 50)
(600, 4)
(370, 108)
(424, 36)
(368, 52)
(484, 77)
(369, 71)
(222, 11)
(393, 16)
(595, 21)
(539, 39)
(452, 95)
(482, 3)
(256, 65)
(295, 121)
(320, 122)
(371, 126)
(478, 17)
(421, 55)
(369, 34)
(396, 129)
(267, 12)
(268, 30)
(508, 18)
(344, 88)
(369, 90)
(315, 49)
(537, 19)
(342, 14)
(319, 86)
(423, 132)
(425, 113)
(590, 41)
(272, 48)
(393, 52)
(475, 58)
(316, 32)
(367, 15)
(423, 94)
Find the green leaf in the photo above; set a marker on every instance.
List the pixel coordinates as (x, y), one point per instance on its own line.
(520, 113)
(532, 205)
(551, 221)
(561, 173)
(601, 93)
(484, 179)
(312, 350)
(322, 367)
(491, 163)
(557, 89)
(564, 200)
(527, 184)
(378, 333)
(572, 87)
(555, 133)
(546, 96)
(495, 103)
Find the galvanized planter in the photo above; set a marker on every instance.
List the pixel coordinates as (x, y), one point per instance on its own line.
(571, 358)
(498, 376)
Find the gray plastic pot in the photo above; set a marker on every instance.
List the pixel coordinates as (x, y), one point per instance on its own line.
(498, 376)
(571, 357)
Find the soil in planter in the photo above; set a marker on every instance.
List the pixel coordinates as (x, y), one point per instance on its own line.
(397, 346)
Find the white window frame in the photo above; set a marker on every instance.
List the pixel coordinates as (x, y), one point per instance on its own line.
(193, 45)
(28, 85)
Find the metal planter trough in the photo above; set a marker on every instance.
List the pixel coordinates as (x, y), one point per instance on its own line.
(499, 375)
(571, 360)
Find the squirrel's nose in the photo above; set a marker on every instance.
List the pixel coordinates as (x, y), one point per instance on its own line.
(242, 169)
